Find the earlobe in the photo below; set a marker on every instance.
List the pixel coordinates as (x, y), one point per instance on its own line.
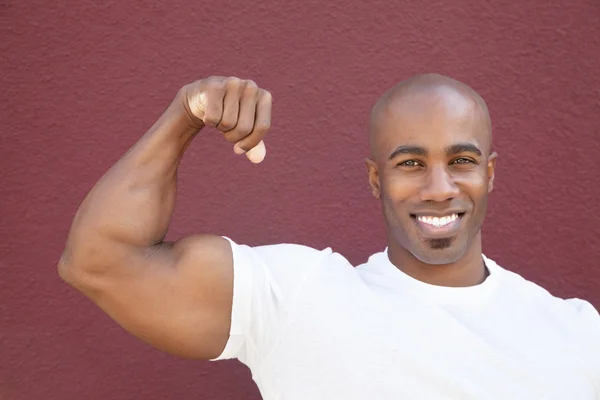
(373, 177)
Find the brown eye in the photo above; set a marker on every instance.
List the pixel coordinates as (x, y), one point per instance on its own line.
(409, 163)
(462, 160)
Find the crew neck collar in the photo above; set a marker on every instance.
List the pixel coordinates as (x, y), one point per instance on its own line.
(445, 294)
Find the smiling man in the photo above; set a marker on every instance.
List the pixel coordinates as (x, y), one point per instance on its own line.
(429, 317)
(432, 167)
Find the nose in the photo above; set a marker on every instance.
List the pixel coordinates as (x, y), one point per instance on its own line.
(439, 185)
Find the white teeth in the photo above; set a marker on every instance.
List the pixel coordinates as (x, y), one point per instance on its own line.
(438, 222)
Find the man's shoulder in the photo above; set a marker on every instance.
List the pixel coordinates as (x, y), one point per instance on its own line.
(287, 250)
(287, 257)
(535, 294)
(288, 267)
(519, 284)
(277, 249)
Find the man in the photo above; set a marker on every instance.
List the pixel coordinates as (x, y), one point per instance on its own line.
(428, 318)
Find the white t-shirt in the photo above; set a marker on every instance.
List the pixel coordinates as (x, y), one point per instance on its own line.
(311, 326)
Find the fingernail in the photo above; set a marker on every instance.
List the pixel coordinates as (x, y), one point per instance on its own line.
(257, 154)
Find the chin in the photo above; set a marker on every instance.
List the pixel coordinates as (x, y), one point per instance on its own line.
(439, 251)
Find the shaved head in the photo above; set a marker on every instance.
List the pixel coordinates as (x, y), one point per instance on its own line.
(425, 93)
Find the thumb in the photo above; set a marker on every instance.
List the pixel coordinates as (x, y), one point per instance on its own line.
(255, 154)
(197, 105)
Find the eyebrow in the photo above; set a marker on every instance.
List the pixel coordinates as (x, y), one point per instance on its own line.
(462, 148)
(450, 150)
(411, 150)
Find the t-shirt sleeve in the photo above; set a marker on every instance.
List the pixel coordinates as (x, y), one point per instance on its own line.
(588, 330)
(266, 281)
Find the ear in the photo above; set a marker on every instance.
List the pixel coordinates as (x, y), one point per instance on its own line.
(491, 168)
(373, 177)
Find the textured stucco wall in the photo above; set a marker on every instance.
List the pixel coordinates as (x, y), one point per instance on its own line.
(81, 81)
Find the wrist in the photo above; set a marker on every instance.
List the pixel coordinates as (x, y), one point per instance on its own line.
(175, 123)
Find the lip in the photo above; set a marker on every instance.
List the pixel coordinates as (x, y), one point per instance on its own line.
(434, 232)
(438, 214)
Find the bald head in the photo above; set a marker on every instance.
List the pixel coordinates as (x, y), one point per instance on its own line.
(431, 158)
(429, 96)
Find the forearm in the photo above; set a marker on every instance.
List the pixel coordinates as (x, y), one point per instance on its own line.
(133, 202)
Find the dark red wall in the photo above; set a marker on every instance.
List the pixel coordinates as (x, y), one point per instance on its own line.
(82, 81)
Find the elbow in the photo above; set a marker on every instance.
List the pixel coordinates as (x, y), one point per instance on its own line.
(66, 271)
(76, 274)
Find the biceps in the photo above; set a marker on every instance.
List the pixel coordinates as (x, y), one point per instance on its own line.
(176, 297)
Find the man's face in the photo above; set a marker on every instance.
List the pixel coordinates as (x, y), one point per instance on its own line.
(433, 172)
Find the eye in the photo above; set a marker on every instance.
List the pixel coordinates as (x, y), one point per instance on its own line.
(462, 160)
(409, 163)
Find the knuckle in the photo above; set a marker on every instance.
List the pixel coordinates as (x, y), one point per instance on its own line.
(214, 83)
(219, 86)
(233, 136)
(243, 129)
(251, 87)
(266, 95)
(262, 127)
(226, 124)
(211, 120)
(233, 82)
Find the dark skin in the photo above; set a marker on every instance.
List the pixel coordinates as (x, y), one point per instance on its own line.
(177, 296)
(431, 156)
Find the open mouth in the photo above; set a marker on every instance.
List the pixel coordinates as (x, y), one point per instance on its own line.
(438, 226)
(438, 222)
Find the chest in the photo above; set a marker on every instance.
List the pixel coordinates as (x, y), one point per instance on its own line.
(360, 344)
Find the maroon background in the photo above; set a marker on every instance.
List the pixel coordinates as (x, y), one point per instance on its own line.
(82, 81)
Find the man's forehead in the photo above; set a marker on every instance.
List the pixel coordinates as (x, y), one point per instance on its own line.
(426, 106)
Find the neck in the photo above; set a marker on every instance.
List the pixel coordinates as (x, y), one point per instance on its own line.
(469, 270)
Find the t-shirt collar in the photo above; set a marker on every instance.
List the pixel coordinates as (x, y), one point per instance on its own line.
(444, 294)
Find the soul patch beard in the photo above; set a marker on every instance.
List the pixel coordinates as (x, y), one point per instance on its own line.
(439, 244)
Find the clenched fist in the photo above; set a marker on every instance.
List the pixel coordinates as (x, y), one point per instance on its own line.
(236, 107)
